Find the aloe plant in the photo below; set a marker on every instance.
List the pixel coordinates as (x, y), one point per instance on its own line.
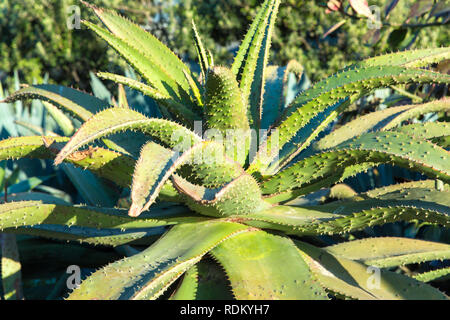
(235, 204)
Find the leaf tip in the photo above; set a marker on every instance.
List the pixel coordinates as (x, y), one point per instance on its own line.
(135, 210)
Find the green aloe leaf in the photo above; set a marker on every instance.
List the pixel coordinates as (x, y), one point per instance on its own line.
(201, 51)
(92, 236)
(434, 275)
(104, 163)
(357, 215)
(31, 213)
(427, 191)
(148, 274)
(157, 164)
(251, 60)
(380, 121)
(146, 48)
(390, 251)
(273, 270)
(187, 290)
(144, 64)
(410, 58)
(240, 197)
(181, 112)
(37, 196)
(316, 107)
(427, 130)
(379, 147)
(224, 106)
(115, 120)
(79, 104)
(288, 219)
(63, 121)
(355, 280)
(10, 268)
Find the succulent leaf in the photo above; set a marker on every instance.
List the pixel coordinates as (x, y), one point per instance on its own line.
(388, 252)
(114, 120)
(79, 104)
(183, 114)
(410, 58)
(187, 290)
(355, 280)
(31, 213)
(153, 50)
(433, 275)
(242, 196)
(316, 107)
(263, 256)
(10, 268)
(148, 274)
(145, 65)
(380, 121)
(380, 147)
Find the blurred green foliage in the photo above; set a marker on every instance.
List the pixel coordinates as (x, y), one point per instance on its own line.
(35, 39)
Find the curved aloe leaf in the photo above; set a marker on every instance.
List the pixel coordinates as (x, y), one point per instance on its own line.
(422, 184)
(379, 147)
(30, 213)
(251, 60)
(93, 236)
(427, 130)
(63, 121)
(390, 251)
(355, 280)
(240, 197)
(157, 164)
(10, 268)
(79, 104)
(187, 290)
(181, 112)
(224, 106)
(153, 169)
(433, 275)
(379, 121)
(262, 266)
(104, 163)
(201, 51)
(427, 191)
(410, 58)
(36, 196)
(154, 51)
(114, 120)
(144, 64)
(316, 107)
(361, 214)
(285, 218)
(339, 176)
(148, 274)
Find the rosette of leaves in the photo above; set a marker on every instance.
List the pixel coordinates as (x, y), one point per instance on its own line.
(234, 205)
